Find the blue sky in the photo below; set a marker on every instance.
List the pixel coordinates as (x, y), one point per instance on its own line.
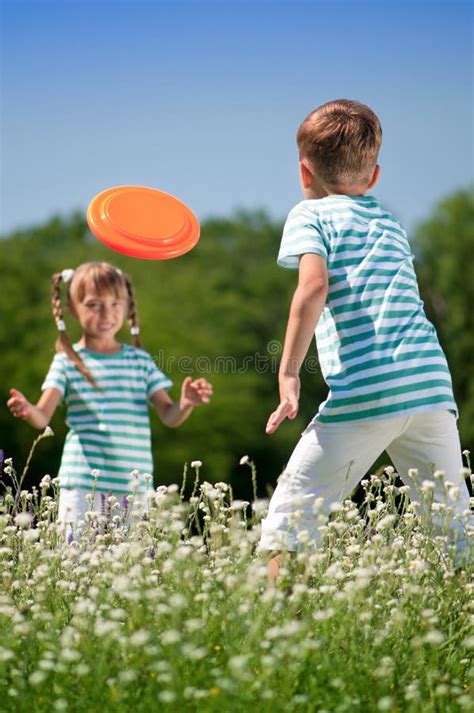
(202, 99)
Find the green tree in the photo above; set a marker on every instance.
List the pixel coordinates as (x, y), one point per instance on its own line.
(444, 248)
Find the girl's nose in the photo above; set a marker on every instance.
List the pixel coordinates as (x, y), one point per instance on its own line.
(106, 311)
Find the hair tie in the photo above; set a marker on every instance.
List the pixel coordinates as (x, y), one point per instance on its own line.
(135, 330)
(61, 325)
(67, 275)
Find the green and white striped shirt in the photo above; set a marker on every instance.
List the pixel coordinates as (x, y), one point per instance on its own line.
(109, 429)
(379, 354)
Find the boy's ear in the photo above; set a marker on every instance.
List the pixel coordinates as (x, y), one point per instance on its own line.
(306, 174)
(375, 176)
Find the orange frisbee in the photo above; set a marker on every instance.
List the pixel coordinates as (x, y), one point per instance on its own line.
(143, 222)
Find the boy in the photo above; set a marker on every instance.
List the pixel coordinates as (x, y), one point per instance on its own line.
(389, 383)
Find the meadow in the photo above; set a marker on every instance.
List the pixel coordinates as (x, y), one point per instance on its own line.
(169, 610)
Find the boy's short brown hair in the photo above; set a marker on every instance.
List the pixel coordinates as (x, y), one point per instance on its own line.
(341, 139)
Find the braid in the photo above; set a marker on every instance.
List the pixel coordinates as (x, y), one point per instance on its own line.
(63, 343)
(132, 313)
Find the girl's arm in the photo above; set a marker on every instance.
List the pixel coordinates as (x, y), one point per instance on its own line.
(173, 413)
(306, 308)
(37, 416)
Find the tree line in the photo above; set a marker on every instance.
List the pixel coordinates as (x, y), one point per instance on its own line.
(220, 312)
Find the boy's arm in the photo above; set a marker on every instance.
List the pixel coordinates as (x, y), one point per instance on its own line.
(173, 413)
(306, 308)
(37, 416)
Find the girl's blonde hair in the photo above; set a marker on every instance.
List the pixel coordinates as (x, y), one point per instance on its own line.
(103, 278)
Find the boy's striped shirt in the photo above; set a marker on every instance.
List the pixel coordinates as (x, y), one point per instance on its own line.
(379, 354)
(109, 429)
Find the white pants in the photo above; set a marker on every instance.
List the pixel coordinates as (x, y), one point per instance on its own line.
(330, 460)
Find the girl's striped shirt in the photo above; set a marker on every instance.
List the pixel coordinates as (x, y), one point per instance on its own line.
(109, 429)
(378, 353)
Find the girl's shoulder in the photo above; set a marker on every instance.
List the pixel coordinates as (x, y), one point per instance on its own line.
(130, 351)
(135, 356)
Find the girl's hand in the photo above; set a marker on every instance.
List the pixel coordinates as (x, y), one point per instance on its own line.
(194, 393)
(18, 404)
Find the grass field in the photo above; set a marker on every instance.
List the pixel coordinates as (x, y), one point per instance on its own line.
(173, 613)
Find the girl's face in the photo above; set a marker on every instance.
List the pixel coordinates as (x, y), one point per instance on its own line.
(100, 316)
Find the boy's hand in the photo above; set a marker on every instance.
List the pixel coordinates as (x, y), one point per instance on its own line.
(18, 404)
(289, 398)
(194, 393)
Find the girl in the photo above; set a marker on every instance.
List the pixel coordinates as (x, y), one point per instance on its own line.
(107, 386)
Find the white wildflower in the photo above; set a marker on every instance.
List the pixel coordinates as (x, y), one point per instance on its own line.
(385, 522)
(193, 653)
(31, 535)
(23, 519)
(82, 669)
(209, 490)
(434, 637)
(177, 601)
(171, 636)
(317, 505)
(417, 565)
(139, 637)
(303, 536)
(237, 505)
(167, 696)
(237, 663)
(196, 464)
(45, 481)
(245, 460)
(260, 505)
(6, 654)
(37, 677)
(104, 628)
(454, 493)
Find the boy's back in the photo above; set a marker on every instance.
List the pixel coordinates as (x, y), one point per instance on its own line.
(378, 352)
(390, 387)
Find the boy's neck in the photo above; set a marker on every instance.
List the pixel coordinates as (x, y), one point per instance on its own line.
(314, 187)
(318, 190)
